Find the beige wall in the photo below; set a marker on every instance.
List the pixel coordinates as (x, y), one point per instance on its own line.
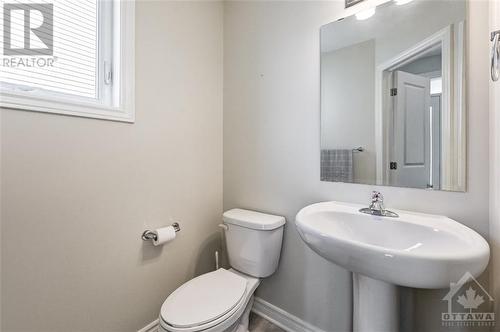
(77, 193)
(495, 171)
(271, 149)
(348, 105)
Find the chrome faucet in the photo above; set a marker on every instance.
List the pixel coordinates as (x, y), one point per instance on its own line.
(377, 208)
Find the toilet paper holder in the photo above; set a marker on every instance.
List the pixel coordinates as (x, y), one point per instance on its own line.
(150, 235)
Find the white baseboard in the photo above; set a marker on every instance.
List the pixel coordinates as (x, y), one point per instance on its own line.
(151, 327)
(281, 318)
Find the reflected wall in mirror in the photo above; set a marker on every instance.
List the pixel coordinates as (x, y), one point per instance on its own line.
(392, 97)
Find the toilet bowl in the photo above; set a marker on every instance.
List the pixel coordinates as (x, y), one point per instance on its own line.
(221, 301)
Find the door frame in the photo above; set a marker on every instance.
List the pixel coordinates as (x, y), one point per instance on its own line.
(383, 82)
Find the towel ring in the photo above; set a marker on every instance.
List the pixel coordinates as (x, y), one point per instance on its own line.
(495, 55)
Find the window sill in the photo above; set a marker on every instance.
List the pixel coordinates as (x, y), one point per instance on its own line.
(67, 107)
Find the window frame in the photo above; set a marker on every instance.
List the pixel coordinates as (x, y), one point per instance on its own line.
(121, 93)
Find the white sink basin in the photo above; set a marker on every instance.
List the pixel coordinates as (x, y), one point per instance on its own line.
(414, 250)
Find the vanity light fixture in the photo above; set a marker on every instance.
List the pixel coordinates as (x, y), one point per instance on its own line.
(365, 14)
(402, 2)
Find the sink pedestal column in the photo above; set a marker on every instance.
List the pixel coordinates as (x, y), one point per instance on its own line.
(376, 305)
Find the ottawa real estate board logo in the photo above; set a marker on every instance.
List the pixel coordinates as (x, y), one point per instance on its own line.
(469, 304)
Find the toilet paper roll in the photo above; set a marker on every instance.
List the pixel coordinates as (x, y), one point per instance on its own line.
(164, 235)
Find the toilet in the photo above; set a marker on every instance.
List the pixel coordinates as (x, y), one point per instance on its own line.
(221, 301)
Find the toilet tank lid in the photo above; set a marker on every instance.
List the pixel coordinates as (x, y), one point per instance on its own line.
(253, 219)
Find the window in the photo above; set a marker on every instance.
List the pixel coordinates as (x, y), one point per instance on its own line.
(72, 57)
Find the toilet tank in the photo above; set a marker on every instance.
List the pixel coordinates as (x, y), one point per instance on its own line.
(253, 241)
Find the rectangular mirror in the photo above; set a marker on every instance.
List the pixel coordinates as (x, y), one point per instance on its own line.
(393, 96)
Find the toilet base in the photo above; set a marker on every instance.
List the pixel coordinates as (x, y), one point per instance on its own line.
(244, 320)
(241, 325)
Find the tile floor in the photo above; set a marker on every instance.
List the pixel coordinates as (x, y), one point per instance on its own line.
(259, 324)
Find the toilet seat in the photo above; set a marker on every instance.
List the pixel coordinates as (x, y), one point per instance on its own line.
(204, 301)
(208, 326)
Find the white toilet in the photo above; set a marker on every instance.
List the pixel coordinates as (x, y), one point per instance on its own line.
(220, 301)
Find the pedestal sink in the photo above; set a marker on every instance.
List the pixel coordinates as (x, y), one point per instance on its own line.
(414, 250)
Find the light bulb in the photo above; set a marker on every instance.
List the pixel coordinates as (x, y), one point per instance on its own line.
(365, 14)
(402, 2)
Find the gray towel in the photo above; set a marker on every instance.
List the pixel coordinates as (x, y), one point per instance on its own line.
(336, 165)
